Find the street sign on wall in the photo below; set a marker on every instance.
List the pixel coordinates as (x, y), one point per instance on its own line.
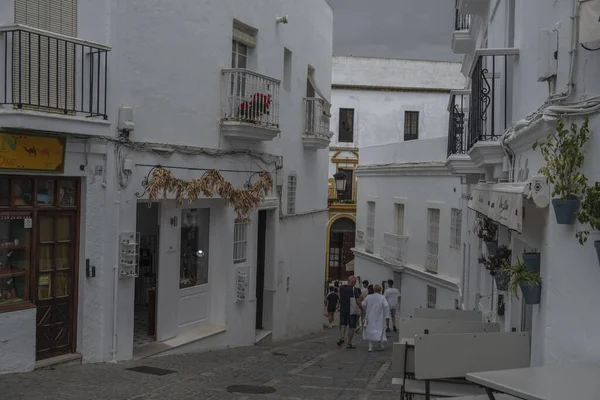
(32, 152)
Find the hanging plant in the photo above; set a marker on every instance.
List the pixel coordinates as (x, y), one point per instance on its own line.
(210, 184)
(529, 281)
(486, 230)
(495, 264)
(562, 152)
(590, 214)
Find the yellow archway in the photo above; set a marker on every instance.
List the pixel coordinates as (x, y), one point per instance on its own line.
(329, 224)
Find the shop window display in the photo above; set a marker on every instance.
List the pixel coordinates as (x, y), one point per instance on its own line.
(14, 256)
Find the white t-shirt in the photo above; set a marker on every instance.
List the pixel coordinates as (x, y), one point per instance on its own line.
(391, 295)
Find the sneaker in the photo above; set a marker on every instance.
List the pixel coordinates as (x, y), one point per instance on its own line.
(395, 329)
(387, 330)
(381, 347)
(340, 342)
(331, 325)
(370, 348)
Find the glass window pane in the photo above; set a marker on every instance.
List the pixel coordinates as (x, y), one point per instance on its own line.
(23, 192)
(63, 229)
(62, 284)
(46, 254)
(4, 192)
(45, 192)
(46, 229)
(195, 231)
(62, 254)
(44, 286)
(66, 193)
(14, 257)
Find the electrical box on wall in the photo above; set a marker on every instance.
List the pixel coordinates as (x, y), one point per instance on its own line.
(548, 55)
(242, 283)
(129, 250)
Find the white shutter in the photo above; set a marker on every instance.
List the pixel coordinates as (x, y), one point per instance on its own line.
(244, 34)
(47, 63)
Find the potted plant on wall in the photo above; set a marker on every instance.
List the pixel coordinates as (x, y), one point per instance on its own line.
(590, 214)
(532, 260)
(521, 276)
(562, 152)
(495, 264)
(486, 230)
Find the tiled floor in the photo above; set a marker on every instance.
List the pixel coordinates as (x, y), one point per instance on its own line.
(140, 327)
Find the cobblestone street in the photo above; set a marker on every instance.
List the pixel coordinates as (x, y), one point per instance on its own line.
(308, 368)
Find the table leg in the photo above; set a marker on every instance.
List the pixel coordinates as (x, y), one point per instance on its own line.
(490, 394)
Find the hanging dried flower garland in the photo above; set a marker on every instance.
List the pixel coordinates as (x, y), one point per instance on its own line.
(211, 183)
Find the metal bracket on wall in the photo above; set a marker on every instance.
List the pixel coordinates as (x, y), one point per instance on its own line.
(90, 270)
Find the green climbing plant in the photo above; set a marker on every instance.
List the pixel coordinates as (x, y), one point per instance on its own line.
(562, 152)
(589, 212)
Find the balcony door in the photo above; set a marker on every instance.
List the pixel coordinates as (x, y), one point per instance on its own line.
(341, 241)
(55, 282)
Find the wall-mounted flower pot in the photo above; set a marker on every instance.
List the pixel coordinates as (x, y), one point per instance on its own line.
(492, 247)
(502, 281)
(565, 210)
(531, 292)
(532, 260)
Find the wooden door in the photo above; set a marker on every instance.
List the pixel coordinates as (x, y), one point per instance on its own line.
(260, 267)
(54, 283)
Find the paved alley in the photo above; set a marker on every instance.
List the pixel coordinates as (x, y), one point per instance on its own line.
(308, 368)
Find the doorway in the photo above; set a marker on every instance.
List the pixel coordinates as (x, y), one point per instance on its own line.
(54, 286)
(144, 328)
(260, 266)
(341, 241)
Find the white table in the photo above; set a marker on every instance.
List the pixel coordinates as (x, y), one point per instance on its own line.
(408, 341)
(560, 382)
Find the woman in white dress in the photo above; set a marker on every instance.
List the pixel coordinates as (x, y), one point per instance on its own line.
(377, 311)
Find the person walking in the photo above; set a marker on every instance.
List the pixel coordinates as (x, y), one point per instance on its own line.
(364, 293)
(350, 308)
(391, 295)
(331, 304)
(377, 308)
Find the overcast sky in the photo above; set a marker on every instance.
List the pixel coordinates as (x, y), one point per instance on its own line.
(409, 29)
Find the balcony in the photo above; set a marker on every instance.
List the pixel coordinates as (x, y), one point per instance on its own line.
(474, 7)
(462, 41)
(316, 124)
(393, 250)
(458, 161)
(489, 110)
(250, 107)
(48, 76)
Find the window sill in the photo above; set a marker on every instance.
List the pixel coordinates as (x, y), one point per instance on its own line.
(20, 306)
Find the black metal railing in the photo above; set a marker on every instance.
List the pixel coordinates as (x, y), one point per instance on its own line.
(488, 110)
(44, 71)
(462, 22)
(458, 126)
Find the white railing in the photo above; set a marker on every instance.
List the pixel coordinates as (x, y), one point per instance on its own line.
(316, 121)
(250, 97)
(394, 248)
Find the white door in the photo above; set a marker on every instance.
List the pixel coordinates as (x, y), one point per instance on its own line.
(168, 272)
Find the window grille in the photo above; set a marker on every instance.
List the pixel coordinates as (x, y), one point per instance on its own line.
(370, 240)
(240, 239)
(291, 194)
(400, 219)
(456, 228)
(411, 125)
(433, 238)
(431, 296)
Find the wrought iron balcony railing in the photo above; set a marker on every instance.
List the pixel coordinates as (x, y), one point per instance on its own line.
(491, 86)
(458, 124)
(461, 22)
(44, 71)
(394, 248)
(316, 119)
(250, 98)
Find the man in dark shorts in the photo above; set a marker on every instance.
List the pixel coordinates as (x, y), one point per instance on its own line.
(350, 309)
(331, 302)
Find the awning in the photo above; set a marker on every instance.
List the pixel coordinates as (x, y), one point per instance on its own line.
(501, 202)
(327, 105)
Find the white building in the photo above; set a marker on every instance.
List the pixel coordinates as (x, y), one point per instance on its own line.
(527, 63)
(406, 197)
(95, 95)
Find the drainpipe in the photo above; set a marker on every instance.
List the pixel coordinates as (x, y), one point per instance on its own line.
(117, 214)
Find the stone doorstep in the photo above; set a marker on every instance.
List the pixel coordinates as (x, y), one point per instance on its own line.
(262, 335)
(64, 360)
(156, 348)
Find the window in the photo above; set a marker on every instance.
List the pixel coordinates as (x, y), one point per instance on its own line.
(291, 194)
(346, 127)
(431, 296)
(44, 68)
(370, 240)
(239, 55)
(411, 125)
(455, 228)
(399, 219)
(348, 194)
(240, 232)
(194, 255)
(433, 237)
(287, 69)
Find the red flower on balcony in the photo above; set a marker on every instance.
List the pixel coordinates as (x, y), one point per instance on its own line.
(259, 105)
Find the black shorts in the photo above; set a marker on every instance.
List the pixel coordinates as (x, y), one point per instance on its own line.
(348, 320)
(330, 309)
